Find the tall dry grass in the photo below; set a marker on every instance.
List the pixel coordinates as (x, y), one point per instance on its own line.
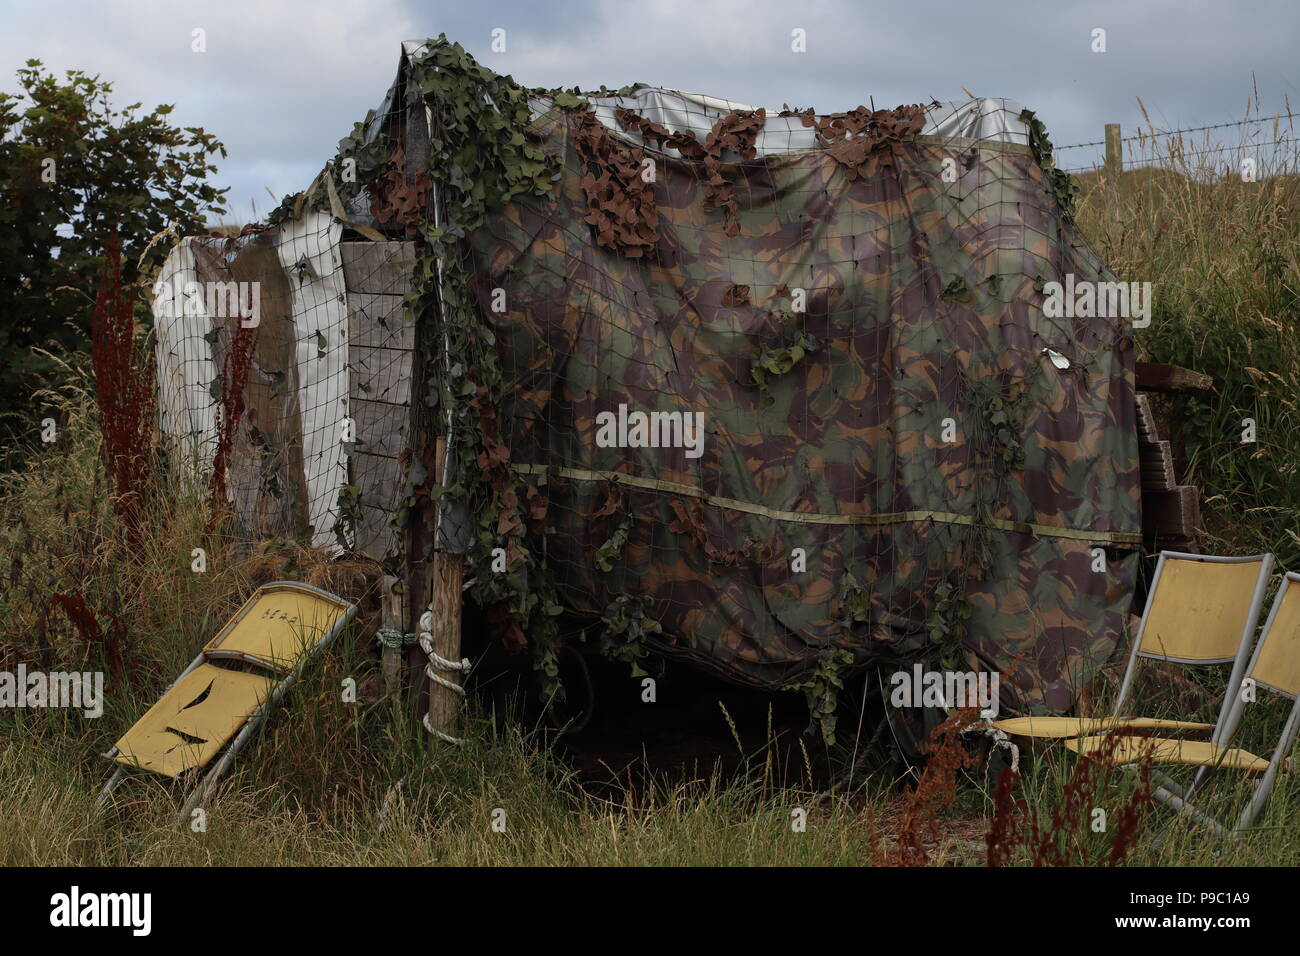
(1224, 257)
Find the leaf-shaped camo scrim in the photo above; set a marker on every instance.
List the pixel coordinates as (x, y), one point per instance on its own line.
(919, 308)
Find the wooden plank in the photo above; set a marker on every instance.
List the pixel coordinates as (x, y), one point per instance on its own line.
(1157, 462)
(380, 479)
(379, 321)
(1175, 513)
(1146, 421)
(380, 375)
(384, 268)
(374, 535)
(391, 610)
(380, 427)
(1158, 377)
(271, 398)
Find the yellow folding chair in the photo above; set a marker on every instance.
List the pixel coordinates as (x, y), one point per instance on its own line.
(1275, 666)
(1201, 610)
(279, 628)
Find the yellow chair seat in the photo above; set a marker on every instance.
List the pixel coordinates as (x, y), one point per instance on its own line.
(1058, 727)
(1194, 753)
(193, 720)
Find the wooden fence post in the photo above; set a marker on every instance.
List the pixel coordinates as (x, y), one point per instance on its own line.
(1114, 150)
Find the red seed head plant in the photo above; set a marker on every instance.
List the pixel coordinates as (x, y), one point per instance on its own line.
(1065, 840)
(1006, 833)
(86, 623)
(235, 369)
(123, 391)
(934, 792)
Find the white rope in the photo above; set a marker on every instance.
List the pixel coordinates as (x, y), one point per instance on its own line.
(439, 662)
(426, 644)
(439, 734)
(460, 665)
(999, 737)
(442, 681)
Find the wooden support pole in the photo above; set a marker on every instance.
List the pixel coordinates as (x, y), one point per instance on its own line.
(445, 703)
(445, 604)
(390, 661)
(1114, 149)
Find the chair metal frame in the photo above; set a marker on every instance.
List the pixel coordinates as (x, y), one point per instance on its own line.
(1169, 791)
(1174, 795)
(200, 792)
(1264, 786)
(1243, 646)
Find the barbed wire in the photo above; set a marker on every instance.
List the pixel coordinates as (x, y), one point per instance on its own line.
(1191, 129)
(1184, 153)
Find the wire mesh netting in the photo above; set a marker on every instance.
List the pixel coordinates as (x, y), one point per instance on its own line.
(785, 382)
(315, 434)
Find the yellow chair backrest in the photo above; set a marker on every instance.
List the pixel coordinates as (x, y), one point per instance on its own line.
(1198, 609)
(1277, 662)
(278, 625)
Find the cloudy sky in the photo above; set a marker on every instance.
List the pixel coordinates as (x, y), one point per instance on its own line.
(281, 82)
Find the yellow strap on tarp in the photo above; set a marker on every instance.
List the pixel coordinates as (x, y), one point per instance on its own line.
(812, 517)
(339, 213)
(336, 206)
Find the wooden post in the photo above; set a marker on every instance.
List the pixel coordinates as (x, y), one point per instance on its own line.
(445, 602)
(392, 616)
(1114, 150)
(436, 585)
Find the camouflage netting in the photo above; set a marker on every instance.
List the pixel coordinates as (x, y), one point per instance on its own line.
(902, 457)
(824, 428)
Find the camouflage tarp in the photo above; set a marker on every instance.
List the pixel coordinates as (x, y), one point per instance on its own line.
(922, 304)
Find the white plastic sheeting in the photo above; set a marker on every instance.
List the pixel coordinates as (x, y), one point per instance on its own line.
(988, 120)
(985, 119)
(186, 411)
(308, 251)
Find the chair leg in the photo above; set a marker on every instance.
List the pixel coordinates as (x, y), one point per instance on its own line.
(109, 787)
(1264, 787)
(1178, 803)
(1172, 785)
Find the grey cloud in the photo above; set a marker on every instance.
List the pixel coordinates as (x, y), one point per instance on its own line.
(281, 83)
